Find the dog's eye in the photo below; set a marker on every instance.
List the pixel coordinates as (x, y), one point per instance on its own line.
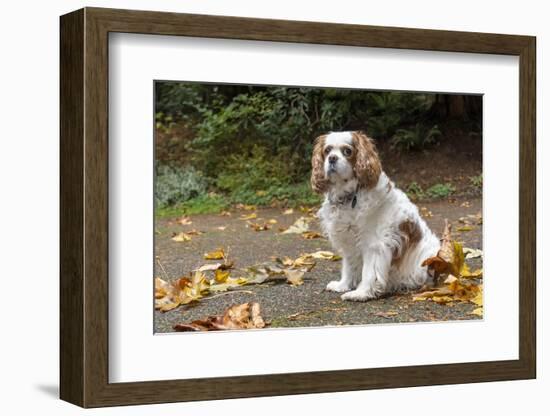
(346, 151)
(327, 150)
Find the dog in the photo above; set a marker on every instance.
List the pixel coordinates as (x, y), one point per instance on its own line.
(373, 224)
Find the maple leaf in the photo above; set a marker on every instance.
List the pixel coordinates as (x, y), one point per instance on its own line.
(243, 316)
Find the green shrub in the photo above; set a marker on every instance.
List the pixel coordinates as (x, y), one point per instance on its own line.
(203, 204)
(440, 190)
(477, 181)
(414, 191)
(417, 138)
(177, 185)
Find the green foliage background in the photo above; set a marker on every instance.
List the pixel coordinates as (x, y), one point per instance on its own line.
(252, 144)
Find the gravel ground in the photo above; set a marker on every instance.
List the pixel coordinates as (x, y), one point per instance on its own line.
(283, 305)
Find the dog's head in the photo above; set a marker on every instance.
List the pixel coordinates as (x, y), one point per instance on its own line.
(339, 157)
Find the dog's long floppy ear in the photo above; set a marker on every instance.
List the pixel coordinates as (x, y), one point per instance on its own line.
(367, 164)
(318, 181)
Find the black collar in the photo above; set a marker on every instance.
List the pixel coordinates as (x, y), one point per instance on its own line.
(345, 199)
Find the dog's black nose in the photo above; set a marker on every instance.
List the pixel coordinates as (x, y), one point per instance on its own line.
(332, 159)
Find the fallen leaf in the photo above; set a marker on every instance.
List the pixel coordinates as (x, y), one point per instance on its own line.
(465, 204)
(472, 253)
(181, 237)
(288, 211)
(294, 277)
(251, 216)
(272, 221)
(222, 227)
(243, 316)
(170, 295)
(300, 226)
(225, 214)
(477, 312)
(325, 255)
(215, 255)
(184, 221)
(310, 235)
(465, 228)
(221, 275)
(257, 226)
(425, 212)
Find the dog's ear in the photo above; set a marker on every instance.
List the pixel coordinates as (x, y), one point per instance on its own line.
(318, 181)
(367, 166)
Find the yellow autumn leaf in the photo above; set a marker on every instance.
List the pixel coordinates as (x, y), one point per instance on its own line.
(465, 228)
(249, 216)
(477, 311)
(215, 255)
(221, 275)
(288, 211)
(181, 237)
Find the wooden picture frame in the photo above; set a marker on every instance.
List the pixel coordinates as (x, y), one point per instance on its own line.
(84, 207)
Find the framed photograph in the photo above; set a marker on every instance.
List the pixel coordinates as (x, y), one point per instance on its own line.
(254, 207)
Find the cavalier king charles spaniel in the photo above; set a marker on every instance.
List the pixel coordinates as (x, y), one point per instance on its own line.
(379, 232)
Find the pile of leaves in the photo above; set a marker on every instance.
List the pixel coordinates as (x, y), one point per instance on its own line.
(216, 277)
(460, 284)
(243, 316)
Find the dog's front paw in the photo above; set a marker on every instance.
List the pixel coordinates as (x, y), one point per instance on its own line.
(338, 286)
(358, 296)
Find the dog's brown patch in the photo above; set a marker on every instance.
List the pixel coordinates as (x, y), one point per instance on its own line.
(318, 181)
(410, 234)
(365, 161)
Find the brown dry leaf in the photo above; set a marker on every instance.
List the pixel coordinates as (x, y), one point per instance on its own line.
(466, 204)
(449, 258)
(310, 235)
(180, 292)
(257, 226)
(243, 316)
(225, 214)
(288, 211)
(218, 254)
(251, 216)
(184, 221)
(300, 226)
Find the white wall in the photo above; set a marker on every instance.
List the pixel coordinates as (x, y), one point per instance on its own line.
(29, 208)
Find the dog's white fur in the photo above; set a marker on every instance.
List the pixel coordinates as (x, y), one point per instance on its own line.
(379, 232)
